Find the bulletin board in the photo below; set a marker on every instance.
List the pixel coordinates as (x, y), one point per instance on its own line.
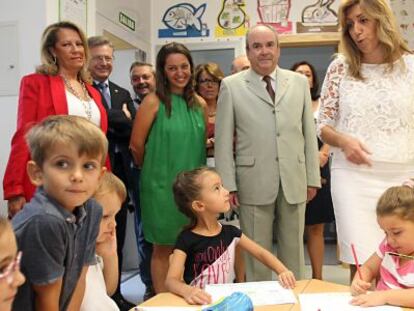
(404, 13)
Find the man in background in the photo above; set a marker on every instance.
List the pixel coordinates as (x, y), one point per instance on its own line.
(142, 80)
(142, 77)
(240, 63)
(121, 111)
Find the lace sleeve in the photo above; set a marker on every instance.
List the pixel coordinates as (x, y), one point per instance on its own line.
(329, 109)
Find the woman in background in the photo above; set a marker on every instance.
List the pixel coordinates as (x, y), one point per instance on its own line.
(61, 85)
(208, 78)
(319, 210)
(168, 136)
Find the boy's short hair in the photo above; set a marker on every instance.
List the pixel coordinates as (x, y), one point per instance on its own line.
(66, 129)
(111, 183)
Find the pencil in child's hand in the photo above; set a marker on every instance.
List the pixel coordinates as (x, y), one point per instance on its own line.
(356, 260)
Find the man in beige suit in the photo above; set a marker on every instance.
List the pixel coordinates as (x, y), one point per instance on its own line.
(274, 169)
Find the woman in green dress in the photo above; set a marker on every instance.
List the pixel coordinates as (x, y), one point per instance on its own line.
(168, 136)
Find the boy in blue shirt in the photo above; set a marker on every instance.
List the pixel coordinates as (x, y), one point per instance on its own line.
(57, 229)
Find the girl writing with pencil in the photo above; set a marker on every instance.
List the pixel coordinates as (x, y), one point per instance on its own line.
(394, 260)
(205, 250)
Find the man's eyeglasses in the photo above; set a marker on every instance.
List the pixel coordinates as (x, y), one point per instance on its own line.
(101, 58)
(208, 81)
(8, 272)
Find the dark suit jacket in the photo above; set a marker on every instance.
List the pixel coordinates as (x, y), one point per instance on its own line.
(119, 126)
(40, 96)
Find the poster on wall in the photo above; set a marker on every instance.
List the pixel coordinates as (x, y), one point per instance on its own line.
(404, 13)
(74, 11)
(184, 20)
(275, 13)
(232, 19)
(318, 17)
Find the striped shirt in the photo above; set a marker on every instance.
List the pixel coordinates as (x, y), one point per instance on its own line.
(394, 274)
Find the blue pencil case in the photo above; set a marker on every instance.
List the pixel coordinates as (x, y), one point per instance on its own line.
(235, 302)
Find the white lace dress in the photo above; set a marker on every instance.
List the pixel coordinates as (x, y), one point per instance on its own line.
(379, 111)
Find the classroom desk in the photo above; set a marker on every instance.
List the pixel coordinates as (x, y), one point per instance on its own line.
(317, 286)
(303, 286)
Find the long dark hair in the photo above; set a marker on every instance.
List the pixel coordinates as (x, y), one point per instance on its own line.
(186, 190)
(163, 88)
(314, 90)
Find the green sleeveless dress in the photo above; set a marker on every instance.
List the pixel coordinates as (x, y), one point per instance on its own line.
(174, 144)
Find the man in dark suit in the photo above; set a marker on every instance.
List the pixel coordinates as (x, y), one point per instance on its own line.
(121, 112)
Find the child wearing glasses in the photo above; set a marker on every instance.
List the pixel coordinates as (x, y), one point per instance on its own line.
(10, 276)
(57, 229)
(393, 263)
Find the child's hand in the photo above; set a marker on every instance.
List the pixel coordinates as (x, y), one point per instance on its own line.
(107, 247)
(197, 296)
(287, 279)
(369, 300)
(359, 287)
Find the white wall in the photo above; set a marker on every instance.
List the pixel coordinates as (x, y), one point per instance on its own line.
(30, 17)
(120, 72)
(107, 18)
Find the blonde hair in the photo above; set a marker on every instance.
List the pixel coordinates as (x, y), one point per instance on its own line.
(66, 129)
(397, 201)
(212, 69)
(49, 64)
(388, 34)
(111, 183)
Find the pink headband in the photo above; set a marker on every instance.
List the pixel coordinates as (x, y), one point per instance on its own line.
(409, 183)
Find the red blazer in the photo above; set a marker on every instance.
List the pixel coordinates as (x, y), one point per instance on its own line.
(40, 96)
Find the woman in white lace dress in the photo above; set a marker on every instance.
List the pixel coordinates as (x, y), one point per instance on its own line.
(367, 115)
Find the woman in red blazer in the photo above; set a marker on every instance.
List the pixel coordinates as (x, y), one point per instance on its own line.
(61, 85)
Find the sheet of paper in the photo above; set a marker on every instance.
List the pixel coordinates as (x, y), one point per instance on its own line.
(335, 301)
(261, 293)
(167, 308)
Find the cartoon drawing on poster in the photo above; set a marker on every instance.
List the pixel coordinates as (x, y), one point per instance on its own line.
(320, 13)
(184, 20)
(318, 17)
(275, 13)
(232, 19)
(404, 13)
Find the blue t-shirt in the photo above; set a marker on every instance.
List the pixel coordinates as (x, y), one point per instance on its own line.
(210, 259)
(55, 244)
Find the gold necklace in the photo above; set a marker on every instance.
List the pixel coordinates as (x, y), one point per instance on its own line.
(211, 113)
(87, 107)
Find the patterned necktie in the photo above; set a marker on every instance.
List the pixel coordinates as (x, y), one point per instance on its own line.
(104, 89)
(269, 87)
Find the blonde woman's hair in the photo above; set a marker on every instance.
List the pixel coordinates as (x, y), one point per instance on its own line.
(388, 34)
(66, 129)
(50, 65)
(212, 69)
(397, 201)
(111, 183)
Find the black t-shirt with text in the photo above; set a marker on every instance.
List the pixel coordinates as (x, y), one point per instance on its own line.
(210, 259)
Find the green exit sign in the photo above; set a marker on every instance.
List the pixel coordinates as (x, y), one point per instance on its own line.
(126, 21)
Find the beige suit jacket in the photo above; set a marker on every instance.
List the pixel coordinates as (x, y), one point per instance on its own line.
(275, 142)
